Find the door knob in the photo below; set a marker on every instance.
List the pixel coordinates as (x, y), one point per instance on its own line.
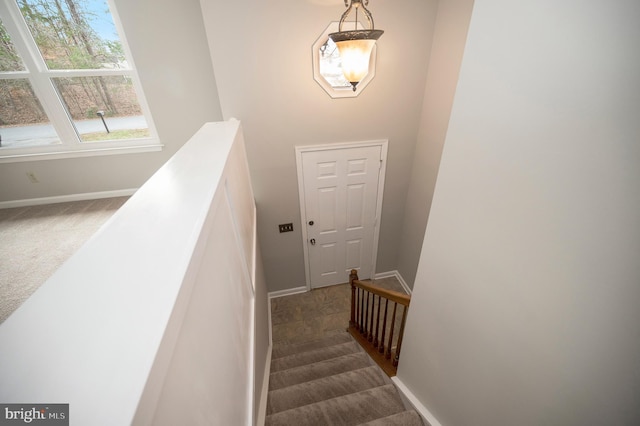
(311, 223)
(313, 241)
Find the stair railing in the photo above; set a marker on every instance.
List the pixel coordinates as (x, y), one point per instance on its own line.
(375, 332)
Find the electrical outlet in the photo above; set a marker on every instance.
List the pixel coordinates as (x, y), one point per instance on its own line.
(286, 227)
(32, 177)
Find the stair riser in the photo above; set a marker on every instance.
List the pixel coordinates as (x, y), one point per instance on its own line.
(323, 389)
(311, 357)
(294, 376)
(346, 410)
(280, 351)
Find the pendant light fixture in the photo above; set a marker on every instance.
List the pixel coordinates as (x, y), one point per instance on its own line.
(355, 46)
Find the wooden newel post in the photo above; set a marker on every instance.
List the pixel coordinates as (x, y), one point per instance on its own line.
(353, 277)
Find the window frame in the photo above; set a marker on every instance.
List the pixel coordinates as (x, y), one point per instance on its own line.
(41, 79)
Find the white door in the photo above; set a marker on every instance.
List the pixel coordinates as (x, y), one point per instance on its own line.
(341, 197)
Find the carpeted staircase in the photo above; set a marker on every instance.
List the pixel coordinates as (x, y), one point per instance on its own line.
(331, 381)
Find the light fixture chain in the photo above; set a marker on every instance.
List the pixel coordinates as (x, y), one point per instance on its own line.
(350, 4)
(368, 14)
(344, 15)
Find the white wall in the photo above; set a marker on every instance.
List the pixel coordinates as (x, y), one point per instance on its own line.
(525, 306)
(449, 39)
(262, 59)
(170, 50)
(209, 379)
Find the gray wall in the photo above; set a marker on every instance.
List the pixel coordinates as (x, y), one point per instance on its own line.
(525, 306)
(170, 50)
(262, 59)
(449, 38)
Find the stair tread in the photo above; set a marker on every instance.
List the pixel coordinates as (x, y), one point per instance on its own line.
(346, 410)
(310, 357)
(405, 418)
(282, 350)
(329, 367)
(324, 388)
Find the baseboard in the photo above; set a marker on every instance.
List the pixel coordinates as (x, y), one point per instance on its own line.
(262, 407)
(426, 415)
(270, 327)
(67, 198)
(287, 292)
(397, 275)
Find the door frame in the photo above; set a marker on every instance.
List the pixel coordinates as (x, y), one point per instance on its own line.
(300, 150)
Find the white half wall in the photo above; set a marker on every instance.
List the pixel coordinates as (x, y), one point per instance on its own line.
(209, 378)
(157, 314)
(525, 305)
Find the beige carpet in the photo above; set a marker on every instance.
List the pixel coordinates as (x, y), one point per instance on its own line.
(36, 240)
(319, 375)
(332, 382)
(318, 313)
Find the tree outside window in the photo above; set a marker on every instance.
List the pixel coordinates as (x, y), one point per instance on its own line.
(65, 80)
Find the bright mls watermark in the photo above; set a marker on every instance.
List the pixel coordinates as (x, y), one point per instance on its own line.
(36, 414)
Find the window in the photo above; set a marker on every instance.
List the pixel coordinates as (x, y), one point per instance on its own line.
(330, 65)
(67, 85)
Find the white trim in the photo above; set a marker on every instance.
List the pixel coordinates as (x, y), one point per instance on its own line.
(426, 415)
(254, 249)
(9, 75)
(397, 275)
(103, 72)
(270, 322)
(286, 292)
(142, 99)
(251, 386)
(249, 275)
(16, 155)
(67, 198)
(384, 146)
(342, 145)
(262, 408)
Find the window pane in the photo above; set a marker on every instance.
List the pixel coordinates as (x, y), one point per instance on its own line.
(103, 108)
(331, 65)
(23, 122)
(9, 59)
(74, 34)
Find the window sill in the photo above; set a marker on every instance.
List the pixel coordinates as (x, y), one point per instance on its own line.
(15, 155)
